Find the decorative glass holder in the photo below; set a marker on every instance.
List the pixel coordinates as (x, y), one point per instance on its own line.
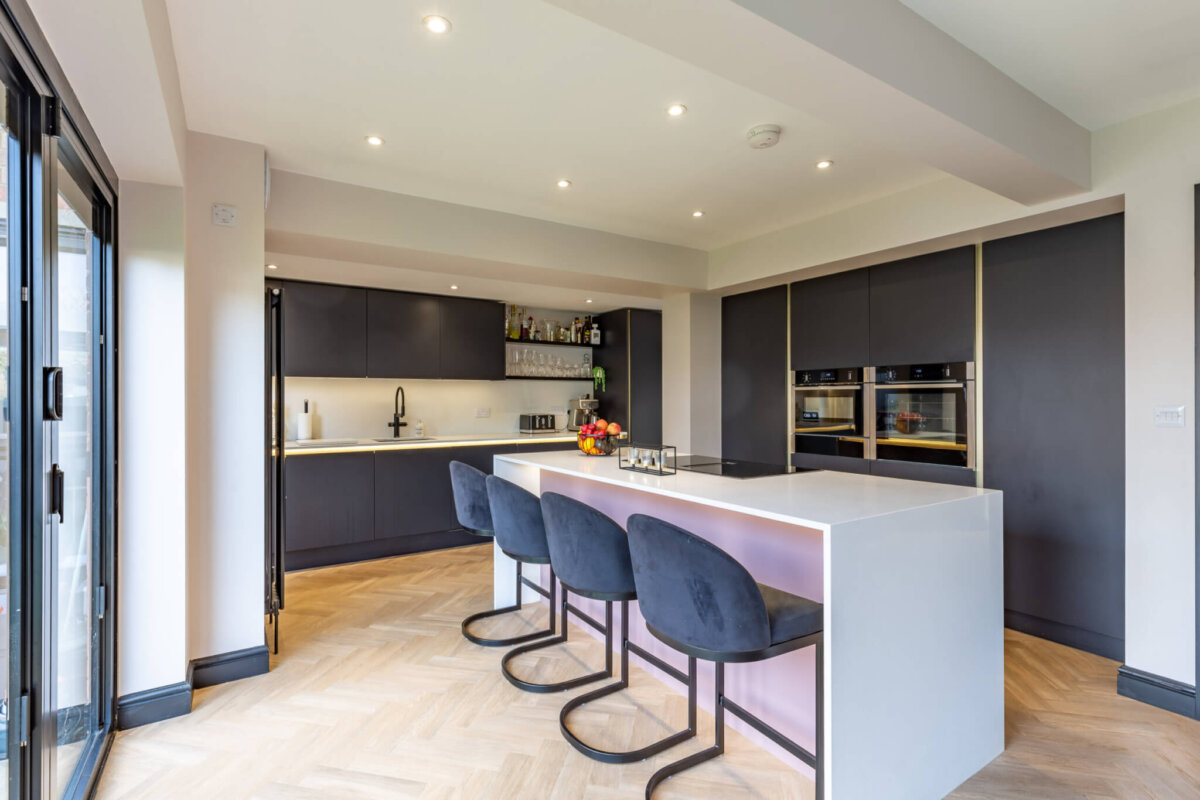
(653, 459)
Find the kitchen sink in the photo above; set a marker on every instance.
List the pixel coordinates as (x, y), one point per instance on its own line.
(404, 439)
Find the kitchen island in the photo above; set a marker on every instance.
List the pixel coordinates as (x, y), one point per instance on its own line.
(910, 574)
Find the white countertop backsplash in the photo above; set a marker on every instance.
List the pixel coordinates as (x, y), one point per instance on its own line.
(361, 408)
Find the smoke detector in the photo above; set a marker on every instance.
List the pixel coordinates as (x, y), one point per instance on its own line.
(761, 137)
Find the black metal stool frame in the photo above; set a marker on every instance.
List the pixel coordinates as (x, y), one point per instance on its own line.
(526, 637)
(721, 704)
(566, 608)
(642, 753)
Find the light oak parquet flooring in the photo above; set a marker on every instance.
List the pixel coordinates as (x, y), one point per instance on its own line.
(377, 695)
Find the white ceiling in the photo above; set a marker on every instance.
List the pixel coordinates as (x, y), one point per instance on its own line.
(1097, 61)
(519, 94)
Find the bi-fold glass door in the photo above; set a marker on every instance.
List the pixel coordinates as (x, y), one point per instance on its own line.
(57, 475)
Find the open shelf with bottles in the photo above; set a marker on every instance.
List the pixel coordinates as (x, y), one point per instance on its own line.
(549, 327)
(534, 343)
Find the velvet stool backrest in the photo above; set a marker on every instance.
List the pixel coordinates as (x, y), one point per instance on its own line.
(470, 497)
(517, 521)
(693, 592)
(589, 551)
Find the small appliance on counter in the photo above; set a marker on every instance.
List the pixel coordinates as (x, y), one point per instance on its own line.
(537, 423)
(584, 411)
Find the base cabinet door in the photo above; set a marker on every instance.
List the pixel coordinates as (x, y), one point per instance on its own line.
(412, 493)
(329, 500)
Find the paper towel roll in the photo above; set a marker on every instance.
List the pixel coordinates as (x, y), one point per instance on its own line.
(304, 425)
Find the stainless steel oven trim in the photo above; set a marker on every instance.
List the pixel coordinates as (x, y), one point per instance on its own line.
(970, 391)
(811, 387)
(968, 388)
(921, 385)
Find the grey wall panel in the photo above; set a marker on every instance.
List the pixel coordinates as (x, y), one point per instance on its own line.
(754, 367)
(1054, 421)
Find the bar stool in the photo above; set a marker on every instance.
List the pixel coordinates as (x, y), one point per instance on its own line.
(590, 556)
(696, 598)
(475, 515)
(521, 534)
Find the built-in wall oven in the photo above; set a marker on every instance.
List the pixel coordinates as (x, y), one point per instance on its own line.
(830, 413)
(925, 414)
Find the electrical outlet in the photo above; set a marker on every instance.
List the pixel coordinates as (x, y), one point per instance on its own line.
(1170, 416)
(482, 413)
(224, 215)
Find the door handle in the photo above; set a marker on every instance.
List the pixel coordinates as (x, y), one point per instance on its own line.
(57, 491)
(53, 410)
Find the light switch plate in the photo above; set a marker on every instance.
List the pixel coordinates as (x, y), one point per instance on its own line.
(482, 413)
(224, 215)
(1170, 416)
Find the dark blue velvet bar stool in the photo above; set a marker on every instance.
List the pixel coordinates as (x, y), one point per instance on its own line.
(475, 515)
(521, 535)
(590, 555)
(696, 598)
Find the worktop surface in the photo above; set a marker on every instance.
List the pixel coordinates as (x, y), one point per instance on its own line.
(817, 499)
(316, 446)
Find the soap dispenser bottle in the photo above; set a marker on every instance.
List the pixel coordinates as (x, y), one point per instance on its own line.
(419, 429)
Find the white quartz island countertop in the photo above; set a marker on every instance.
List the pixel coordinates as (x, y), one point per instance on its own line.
(812, 499)
(910, 575)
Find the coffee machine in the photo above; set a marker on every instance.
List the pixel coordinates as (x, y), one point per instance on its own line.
(583, 412)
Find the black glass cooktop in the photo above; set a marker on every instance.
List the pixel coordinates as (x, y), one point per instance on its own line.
(730, 468)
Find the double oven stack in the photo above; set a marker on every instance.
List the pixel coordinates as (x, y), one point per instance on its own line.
(915, 420)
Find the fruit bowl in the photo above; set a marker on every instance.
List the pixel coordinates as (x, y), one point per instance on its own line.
(597, 444)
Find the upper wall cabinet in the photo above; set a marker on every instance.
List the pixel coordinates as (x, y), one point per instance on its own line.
(324, 331)
(922, 309)
(472, 339)
(829, 321)
(403, 335)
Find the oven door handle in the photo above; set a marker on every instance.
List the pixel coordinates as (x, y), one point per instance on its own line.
(827, 386)
(882, 386)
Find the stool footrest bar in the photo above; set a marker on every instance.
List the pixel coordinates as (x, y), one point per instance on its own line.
(772, 734)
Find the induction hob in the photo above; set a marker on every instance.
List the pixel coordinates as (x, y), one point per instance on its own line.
(732, 468)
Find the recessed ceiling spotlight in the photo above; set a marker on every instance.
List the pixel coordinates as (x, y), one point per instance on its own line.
(697, 213)
(588, 300)
(375, 141)
(435, 24)
(824, 164)
(272, 266)
(676, 110)
(454, 286)
(564, 183)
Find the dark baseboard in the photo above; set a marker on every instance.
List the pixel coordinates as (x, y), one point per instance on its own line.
(1088, 641)
(1156, 690)
(377, 548)
(153, 705)
(225, 667)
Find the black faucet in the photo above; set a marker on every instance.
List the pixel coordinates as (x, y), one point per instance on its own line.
(396, 424)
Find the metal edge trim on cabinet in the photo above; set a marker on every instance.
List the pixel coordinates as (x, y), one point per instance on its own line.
(153, 705)
(226, 667)
(1157, 691)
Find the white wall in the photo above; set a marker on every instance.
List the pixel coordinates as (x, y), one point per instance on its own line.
(151, 535)
(1154, 161)
(225, 417)
(361, 408)
(691, 368)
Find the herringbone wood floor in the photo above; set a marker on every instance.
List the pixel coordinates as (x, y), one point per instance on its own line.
(376, 695)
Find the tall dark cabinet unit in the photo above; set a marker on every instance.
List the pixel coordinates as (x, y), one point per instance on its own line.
(922, 309)
(829, 321)
(631, 353)
(325, 331)
(1054, 428)
(754, 404)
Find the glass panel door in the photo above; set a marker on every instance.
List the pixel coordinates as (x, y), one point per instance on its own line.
(9, 664)
(72, 571)
(926, 423)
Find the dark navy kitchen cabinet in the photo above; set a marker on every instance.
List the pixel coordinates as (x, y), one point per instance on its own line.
(324, 331)
(403, 335)
(754, 368)
(413, 493)
(829, 321)
(631, 353)
(472, 339)
(922, 309)
(329, 500)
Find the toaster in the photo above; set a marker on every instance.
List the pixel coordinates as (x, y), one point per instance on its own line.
(537, 423)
